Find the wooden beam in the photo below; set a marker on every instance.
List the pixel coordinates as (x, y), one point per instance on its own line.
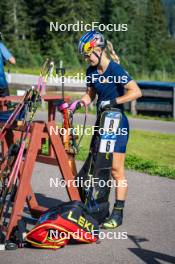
(63, 163)
(157, 93)
(25, 179)
(148, 106)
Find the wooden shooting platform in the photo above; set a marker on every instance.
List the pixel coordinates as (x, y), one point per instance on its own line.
(39, 133)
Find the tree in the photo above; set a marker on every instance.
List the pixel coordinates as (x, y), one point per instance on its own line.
(147, 45)
(155, 35)
(129, 44)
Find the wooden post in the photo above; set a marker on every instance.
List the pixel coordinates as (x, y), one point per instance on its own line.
(25, 179)
(24, 192)
(63, 162)
(133, 107)
(39, 131)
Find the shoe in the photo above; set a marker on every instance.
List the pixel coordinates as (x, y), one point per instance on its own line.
(115, 220)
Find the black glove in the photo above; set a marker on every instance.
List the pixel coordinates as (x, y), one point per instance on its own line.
(107, 104)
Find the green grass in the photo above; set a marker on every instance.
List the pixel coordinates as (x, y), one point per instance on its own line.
(161, 76)
(149, 152)
(137, 163)
(15, 69)
(153, 145)
(140, 116)
(36, 71)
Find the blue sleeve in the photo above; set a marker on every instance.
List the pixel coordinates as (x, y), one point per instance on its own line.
(89, 78)
(123, 76)
(6, 55)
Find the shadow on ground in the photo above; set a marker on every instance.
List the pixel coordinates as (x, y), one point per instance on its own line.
(148, 256)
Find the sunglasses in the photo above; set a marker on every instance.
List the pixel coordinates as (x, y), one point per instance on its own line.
(87, 55)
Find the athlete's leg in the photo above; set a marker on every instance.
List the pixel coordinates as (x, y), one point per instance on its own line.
(118, 173)
(121, 189)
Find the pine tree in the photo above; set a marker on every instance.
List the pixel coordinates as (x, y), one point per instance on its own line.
(147, 44)
(169, 6)
(155, 35)
(1, 16)
(16, 21)
(69, 12)
(129, 44)
(115, 13)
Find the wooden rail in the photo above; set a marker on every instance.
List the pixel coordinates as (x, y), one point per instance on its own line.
(158, 98)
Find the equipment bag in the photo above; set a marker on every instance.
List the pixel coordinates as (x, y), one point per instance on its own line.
(96, 170)
(60, 225)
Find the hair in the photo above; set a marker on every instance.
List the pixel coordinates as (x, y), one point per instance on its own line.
(110, 52)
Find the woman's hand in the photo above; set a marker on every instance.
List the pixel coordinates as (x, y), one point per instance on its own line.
(107, 104)
(75, 105)
(89, 96)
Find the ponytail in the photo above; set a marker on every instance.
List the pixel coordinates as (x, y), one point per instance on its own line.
(111, 52)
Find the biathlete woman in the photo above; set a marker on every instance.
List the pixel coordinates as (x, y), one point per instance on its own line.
(108, 80)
